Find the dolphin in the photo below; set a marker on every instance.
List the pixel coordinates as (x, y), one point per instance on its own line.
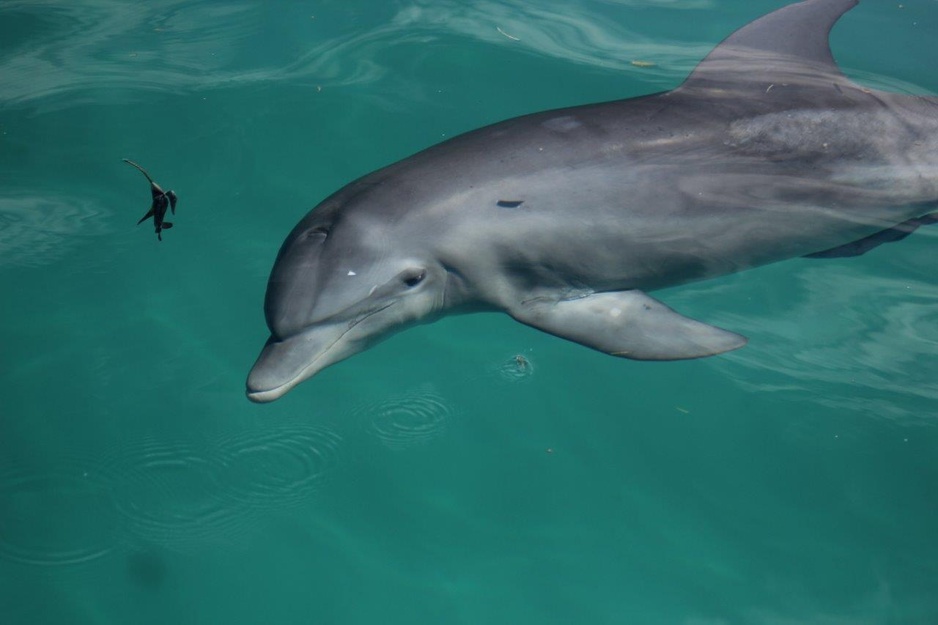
(566, 219)
(161, 201)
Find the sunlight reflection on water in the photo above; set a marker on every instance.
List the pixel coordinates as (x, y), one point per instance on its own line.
(869, 341)
(39, 230)
(176, 46)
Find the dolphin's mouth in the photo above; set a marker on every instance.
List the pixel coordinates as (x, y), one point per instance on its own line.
(284, 363)
(264, 397)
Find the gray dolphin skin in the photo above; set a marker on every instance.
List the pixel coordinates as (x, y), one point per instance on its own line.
(565, 219)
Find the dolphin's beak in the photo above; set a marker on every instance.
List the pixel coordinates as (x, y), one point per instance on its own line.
(283, 364)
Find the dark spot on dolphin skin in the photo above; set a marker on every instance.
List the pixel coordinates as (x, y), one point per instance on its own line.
(510, 203)
(146, 569)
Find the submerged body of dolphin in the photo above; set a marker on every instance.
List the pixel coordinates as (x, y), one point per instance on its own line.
(564, 219)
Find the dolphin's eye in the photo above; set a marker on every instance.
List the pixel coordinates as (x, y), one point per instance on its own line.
(413, 278)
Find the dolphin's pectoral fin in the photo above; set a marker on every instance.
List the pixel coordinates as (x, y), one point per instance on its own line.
(145, 217)
(167, 225)
(890, 235)
(629, 324)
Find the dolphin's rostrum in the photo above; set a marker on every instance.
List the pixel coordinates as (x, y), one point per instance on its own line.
(565, 219)
(161, 201)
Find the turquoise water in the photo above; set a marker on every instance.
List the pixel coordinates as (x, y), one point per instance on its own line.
(430, 479)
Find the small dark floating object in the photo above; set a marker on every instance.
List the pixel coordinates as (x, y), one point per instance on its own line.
(161, 201)
(510, 203)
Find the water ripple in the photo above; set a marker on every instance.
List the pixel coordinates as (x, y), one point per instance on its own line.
(872, 342)
(575, 33)
(173, 494)
(177, 45)
(39, 230)
(517, 368)
(411, 419)
(106, 42)
(281, 466)
(59, 515)
(106, 50)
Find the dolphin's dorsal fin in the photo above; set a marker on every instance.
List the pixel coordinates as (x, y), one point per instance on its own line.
(789, 45)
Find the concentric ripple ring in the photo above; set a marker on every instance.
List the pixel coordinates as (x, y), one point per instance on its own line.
(56, 515)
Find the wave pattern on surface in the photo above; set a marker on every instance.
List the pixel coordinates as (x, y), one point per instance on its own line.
(103, 46)
(172, 494)
(36, 231)
(34, 528)
(870, 343)
(278, 467)
(414, 418)
(517, 368)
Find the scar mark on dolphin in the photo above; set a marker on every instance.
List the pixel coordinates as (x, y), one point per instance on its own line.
(318, 232)
(564, 123)
(510, 203)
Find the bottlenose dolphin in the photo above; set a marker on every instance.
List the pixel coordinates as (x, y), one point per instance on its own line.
(161, 201)
(565, 219)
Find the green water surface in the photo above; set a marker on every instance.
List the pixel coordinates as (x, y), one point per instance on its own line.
(430, 479)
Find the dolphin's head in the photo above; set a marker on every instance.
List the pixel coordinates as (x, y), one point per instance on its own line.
(342, 281)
